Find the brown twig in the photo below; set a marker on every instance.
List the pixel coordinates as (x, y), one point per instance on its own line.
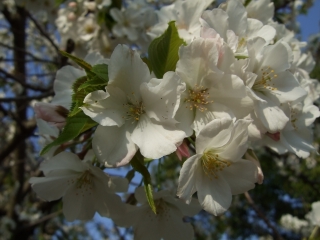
(23, 83)
(27, 98)
(276, 234)
(43, 32)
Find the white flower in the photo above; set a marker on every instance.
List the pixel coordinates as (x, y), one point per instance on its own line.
(262, 10)
(234, 26)
(186, 15)
(269, 83)
(127, 22)
(296, 137)
(136, 111)
(314, 215)
(211, 93)
(292, 223)
(166, 224)
(67, 75)
(216, 171)
(85, 189)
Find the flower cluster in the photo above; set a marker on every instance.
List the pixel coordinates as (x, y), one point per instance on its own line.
(215, 84)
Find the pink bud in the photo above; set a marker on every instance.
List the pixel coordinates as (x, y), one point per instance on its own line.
(72, 4)
(274, 136)
(53, 114)
(183, 151)
(71, 16)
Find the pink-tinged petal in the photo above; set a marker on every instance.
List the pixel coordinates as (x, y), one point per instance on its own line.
(274, 136)
(214, 135)
(156, 140)
(113, 145)
(127, 71)
(53, 114)
(241, 176)
(214, 194)
(50, 188)
(183, 151)
(187, 185)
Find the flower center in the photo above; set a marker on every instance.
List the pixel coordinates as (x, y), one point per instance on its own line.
(212, 164)
(197, 98)
(134, 108)
(89, 28)
(84, 180)
(242, 43)
(266, 80)
(84, 183)
(293, 118)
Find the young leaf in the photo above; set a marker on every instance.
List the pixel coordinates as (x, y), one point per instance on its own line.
(101, 70)
(141, 168)
(163, 51)
(75, 125)
(86, 66)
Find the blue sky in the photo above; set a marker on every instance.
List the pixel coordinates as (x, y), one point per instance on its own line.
(310, 23)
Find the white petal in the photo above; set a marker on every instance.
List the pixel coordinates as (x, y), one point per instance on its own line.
(187, 178)
(65, 78)
(50, 188)
(272, 117)
(237, 145)
(63, 161)
(78, 205)
(241, 176)
(214, 195)
(156, 140)
(214, 135)
(113, 145)
(162, 100)
(218, 20)
(127, 71)
(109, 110)
(195, 60)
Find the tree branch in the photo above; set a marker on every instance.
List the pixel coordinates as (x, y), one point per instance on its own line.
(43, 32)
(276, 234)
(22, 82)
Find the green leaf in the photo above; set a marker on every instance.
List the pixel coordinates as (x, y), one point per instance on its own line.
(75, 125)
(241, 57)
(137, 164)
(86, 66)
(163, 51)
(101, 70)
(94, 82)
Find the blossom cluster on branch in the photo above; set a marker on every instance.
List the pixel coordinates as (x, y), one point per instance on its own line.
(209, 85)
